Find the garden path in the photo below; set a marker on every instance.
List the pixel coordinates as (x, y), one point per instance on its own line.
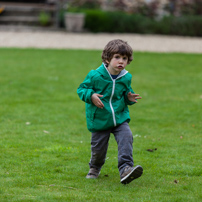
(66, 40)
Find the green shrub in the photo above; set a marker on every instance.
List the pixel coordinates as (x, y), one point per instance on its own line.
(44, 18)
(97, 21)
(183, 25)
(120, 22)
(102, 21)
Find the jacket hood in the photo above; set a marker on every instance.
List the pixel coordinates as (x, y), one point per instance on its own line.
(104, 71)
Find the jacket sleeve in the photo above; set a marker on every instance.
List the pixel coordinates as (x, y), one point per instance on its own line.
(85, 90)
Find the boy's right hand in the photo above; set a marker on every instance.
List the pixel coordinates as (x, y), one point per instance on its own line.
(96, 100)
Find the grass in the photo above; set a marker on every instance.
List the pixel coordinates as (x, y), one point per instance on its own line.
(45, 145)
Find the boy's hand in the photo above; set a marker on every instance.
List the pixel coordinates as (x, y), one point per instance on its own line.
(96, 100)
(133, 97)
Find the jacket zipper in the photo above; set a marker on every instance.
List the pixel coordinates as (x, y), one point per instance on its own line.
(113, 89)
(110, 102)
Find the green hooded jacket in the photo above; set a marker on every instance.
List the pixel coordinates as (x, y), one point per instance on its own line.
(115, 99)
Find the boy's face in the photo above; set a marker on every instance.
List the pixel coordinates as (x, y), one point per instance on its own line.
(117, 63)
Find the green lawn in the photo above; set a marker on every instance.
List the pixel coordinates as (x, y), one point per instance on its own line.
(45, 145)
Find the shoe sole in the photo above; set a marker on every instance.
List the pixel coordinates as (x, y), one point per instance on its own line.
(134, 174)
(92, 176)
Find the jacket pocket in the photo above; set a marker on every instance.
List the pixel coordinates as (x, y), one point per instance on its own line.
(90, 112)
(103, 119)
(93, 115)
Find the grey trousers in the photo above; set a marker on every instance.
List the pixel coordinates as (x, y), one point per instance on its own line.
(99, 146)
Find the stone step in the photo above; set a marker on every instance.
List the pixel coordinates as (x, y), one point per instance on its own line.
(25, 9)
(31, 20)
(19, 19)
(24, 13)
(8, 12)
(28, 6)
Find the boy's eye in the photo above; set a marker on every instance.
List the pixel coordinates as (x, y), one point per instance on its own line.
(119, 56)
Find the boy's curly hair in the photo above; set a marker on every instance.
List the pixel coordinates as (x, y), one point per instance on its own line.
(117, 46)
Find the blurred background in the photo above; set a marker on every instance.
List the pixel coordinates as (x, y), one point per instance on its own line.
(165, 17)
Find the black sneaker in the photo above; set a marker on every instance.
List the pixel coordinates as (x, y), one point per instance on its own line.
(131, 173)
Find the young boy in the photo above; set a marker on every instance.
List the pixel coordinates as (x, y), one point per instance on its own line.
(107, 93)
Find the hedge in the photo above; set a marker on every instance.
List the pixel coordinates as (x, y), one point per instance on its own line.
(119, 22)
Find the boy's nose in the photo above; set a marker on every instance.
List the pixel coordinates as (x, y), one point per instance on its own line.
(121, 60)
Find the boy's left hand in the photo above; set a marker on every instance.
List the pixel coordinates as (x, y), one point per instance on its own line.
(133, 97)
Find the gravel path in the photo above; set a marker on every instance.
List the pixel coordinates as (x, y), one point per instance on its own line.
(66, 40)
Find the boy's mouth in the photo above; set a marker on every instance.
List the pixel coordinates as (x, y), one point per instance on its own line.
(120, 67)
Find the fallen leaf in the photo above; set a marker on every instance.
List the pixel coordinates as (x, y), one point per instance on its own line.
(150, 150)
(45, 131)
(181, 137)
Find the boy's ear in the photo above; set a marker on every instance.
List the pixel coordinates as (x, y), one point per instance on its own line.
(107, 61)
